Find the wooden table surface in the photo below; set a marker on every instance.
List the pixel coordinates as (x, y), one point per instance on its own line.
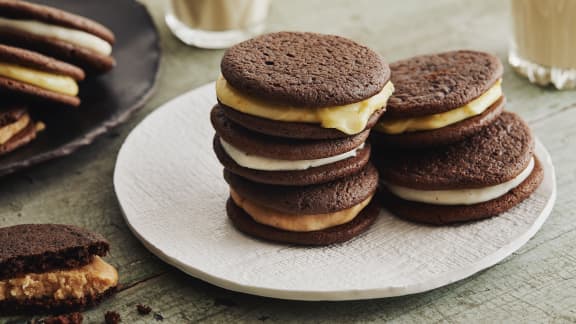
(536, 284)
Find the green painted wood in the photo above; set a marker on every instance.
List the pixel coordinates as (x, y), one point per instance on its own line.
(536, 284)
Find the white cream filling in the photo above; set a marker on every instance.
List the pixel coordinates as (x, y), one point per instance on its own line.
(269, 164)
(69, 35)
(461, 196)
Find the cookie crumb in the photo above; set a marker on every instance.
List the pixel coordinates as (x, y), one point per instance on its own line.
(143, 309)
(72, 318)
(112, 317)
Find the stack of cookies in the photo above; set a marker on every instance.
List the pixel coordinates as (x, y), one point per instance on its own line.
(445, 149)
(293, 115)
(44, 53)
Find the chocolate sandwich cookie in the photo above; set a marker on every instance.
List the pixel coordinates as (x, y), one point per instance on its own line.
(26, 75)
(286, 161)
(53, 32)
(52, 268)
(309, 215)
(440, 99)
(480, 177)
(303, 85)
(16, 128)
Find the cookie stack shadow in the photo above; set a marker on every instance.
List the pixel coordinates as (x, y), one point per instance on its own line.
(446, 150)
(293, 115)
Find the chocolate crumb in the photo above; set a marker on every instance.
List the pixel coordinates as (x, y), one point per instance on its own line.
(263, 318)
(143, 309)
(158, 317)
(112, 317)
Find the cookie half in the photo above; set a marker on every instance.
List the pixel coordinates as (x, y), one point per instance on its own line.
(52, 268)
(441, 99)
(57, 33)
(477, 178)
(29, 76)
(324, 81)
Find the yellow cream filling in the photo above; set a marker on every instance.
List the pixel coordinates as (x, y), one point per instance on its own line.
(297, 223)
(48, 81)
(8, 131)
(435, 121)
(89, 280)
(349, 119)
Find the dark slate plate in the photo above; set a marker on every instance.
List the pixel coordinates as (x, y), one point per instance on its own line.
(107, 100)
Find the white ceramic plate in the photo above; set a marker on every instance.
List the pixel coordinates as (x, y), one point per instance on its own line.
(170, 188)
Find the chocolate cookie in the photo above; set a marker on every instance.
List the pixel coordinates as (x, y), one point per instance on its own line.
(61, 48)
(52, 268)
(19, 90)
(289, 129)
(337, 234)
(33, 60)
(44, 247)
(442, 214)
(305, 69)
(441, 136)
(314, 175)
(11, 114)
(306, 200)
(281, 148)
(495, 155)
(431, 84)
(22, 138)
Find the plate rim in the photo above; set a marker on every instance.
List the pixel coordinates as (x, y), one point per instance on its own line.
(438, 281)
(89, 138)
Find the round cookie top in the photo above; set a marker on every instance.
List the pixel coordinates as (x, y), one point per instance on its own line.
(42, 247)
(19, 56)
(436, 83)
(30, 11)
(495, 155)
(305, 69)
(306, 200)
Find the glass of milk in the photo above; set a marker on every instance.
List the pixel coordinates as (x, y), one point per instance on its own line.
(543, 47)
(216, 23)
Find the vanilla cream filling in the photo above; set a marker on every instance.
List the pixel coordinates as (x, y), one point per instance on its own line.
(49, 81)
(435, 121)
(68, 35)
(256, 162)
(8, 131)
(461, 196)
(90, 280)
(349, 119)
(297, 223)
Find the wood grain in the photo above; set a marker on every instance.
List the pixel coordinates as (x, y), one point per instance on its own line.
(537, 284)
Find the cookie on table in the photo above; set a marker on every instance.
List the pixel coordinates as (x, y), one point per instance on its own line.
(16, 127)
(71, 38)
(480, 177)
(303, 85)
(29, 76)
(285, 161)
(440, 99)
(322, 214)
(52, 268)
